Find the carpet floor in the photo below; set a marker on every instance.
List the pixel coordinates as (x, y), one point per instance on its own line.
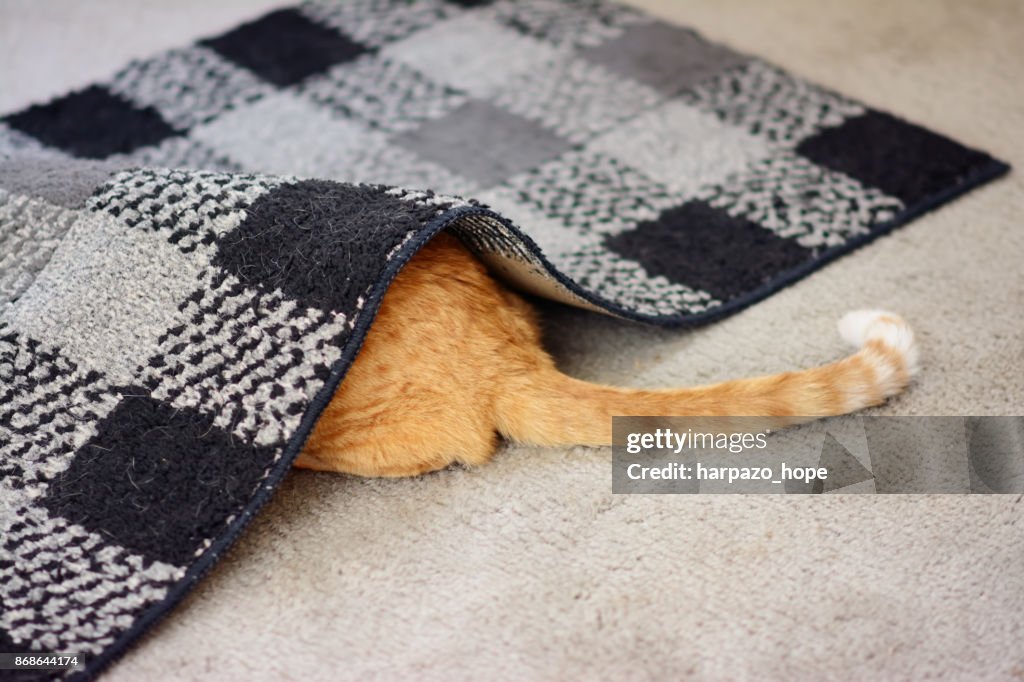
(530, 568)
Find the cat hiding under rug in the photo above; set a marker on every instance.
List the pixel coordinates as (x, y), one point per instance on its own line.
(454, 360)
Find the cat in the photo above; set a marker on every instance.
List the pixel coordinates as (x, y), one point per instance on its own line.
(454, 358)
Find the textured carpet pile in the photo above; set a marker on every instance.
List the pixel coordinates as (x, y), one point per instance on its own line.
(187, 267)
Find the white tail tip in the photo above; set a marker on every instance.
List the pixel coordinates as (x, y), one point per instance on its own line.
(861, 326)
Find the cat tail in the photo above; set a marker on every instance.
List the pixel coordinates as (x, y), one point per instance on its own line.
(554, 409)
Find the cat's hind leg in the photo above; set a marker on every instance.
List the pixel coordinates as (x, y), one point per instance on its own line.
(398, 448)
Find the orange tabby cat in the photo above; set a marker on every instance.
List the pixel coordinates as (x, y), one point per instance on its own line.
(454, 358)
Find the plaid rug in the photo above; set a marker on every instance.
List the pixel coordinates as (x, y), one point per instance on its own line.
(168, 337)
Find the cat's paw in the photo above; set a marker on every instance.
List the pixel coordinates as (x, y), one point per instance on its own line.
(862, 326)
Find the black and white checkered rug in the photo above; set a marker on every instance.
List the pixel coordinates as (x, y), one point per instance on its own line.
(168, 337)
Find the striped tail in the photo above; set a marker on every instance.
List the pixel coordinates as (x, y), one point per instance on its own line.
(554, 409)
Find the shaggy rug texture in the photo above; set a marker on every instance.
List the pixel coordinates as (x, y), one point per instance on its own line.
(168, 337)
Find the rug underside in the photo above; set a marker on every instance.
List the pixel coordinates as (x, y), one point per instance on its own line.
(192, 250)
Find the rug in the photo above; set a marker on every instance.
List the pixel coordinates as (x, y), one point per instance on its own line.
(167, 337)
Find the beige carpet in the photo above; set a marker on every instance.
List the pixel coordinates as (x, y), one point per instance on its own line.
(530, 568)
